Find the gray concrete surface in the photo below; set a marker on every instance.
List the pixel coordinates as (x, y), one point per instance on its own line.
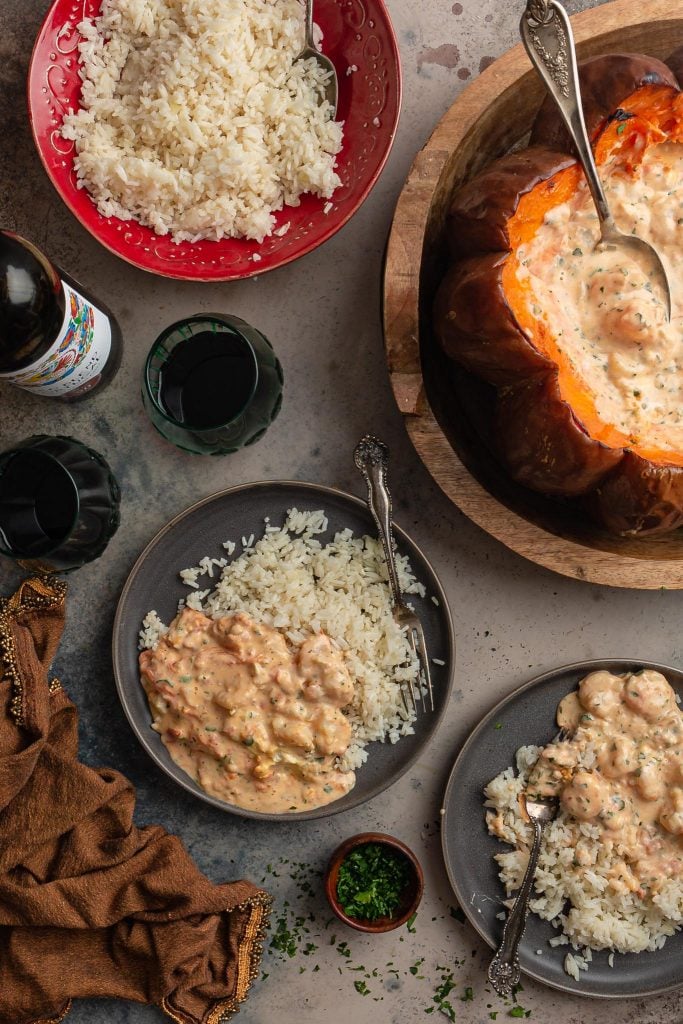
(512, 619)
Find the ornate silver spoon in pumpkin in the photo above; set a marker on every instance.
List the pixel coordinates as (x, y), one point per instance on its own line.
(547, 35)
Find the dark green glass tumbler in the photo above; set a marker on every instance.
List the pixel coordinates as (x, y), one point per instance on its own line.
(212, 384)
(59, 503)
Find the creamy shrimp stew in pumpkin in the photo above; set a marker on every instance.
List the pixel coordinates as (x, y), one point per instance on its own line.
(622, 770)
(607, 319)
(255, 721)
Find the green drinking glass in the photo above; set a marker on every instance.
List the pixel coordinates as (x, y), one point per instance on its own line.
(212, 384)
(59, 503)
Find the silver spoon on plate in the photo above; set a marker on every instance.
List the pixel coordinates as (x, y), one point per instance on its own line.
(311, 50)
(548, 38)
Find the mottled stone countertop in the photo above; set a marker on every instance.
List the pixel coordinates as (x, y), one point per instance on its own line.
(512, 619)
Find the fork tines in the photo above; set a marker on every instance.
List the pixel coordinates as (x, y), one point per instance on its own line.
(417, 642)
(411, 684)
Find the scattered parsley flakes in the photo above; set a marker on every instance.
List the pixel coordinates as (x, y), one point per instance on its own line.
(361, 988)
(410, 923)
(441, 993)
(284, 940)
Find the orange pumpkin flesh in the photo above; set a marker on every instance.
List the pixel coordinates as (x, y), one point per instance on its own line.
(550, 433)
(658, 117)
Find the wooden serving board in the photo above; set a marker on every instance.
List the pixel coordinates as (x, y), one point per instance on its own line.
(491, 116)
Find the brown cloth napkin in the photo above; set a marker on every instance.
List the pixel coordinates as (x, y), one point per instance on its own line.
(90, 905)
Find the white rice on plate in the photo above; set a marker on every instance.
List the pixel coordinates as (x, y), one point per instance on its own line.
(197, 120)
(290, 580)
(572, 882)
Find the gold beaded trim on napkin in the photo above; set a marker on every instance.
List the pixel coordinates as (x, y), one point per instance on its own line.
(248, 961)
(37, 593)
(60, 1017)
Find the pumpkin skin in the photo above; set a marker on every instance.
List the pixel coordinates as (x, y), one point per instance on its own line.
(544, 425)
(478, 220)
(645, 496)
(605, 82)
(492, 346)
(543, 442)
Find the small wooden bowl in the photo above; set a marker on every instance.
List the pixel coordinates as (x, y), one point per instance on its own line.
(412, 895)
(447, 412)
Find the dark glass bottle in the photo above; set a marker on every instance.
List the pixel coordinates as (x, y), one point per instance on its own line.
(55, 339)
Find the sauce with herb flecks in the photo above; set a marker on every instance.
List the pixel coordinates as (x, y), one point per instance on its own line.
(622, 770)
(254, 721)
(601, 307)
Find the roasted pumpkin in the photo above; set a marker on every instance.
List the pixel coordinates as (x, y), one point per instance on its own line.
(587, 371)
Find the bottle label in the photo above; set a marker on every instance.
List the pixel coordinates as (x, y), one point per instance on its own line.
(78, 355)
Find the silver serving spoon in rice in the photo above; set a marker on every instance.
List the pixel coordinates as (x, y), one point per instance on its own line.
(310, 50)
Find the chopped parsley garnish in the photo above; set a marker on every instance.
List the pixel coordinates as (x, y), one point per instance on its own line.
(441, 993)
(372, 880)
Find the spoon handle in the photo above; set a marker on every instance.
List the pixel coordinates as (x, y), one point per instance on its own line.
(372, 459)
(309, 25)
(548, 38)
(504, 971)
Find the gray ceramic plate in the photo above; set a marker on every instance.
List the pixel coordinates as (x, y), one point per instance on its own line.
(528, 716)
(236, 513)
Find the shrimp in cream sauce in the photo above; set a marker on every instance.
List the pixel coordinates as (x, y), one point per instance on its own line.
(622, 770)
(254, 721)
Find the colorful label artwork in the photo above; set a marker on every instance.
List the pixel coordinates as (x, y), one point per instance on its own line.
(79, 353)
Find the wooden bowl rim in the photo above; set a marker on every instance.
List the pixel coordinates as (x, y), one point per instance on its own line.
(382, 924)
(560, 554)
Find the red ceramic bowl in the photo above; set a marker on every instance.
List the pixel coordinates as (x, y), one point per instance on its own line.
(356, 32)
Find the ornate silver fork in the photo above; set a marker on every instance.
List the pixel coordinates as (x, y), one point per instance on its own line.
(504, 970)
(372, 459)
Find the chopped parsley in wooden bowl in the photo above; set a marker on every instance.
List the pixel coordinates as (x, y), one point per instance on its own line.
(374, 883)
